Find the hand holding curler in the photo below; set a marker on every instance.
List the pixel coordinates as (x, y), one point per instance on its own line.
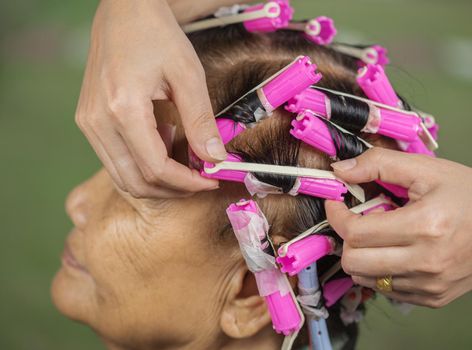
(138, 54)
(425, 246)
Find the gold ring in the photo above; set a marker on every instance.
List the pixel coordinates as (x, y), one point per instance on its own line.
(385, 284)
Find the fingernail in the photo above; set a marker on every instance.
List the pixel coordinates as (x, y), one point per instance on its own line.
(344, 164)
(216, 149)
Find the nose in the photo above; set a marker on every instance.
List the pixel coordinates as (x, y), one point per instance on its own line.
(76, 206)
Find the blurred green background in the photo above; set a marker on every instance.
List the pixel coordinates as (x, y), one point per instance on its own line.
(43, 155)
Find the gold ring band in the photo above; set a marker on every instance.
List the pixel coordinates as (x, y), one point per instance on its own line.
(385, 284)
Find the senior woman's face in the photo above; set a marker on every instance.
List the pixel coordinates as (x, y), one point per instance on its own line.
(140, 272)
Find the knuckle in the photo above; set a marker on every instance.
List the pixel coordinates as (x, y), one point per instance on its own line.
(80, 120)
(435, 303)
(123, 109)
(137, 192)
(436, 289)
(347, 263)
(438, 226)
(153, 175)
(430, 265)
(353, 237)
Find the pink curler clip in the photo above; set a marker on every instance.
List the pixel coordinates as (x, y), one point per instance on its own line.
(321, 30)
(250, 227)
(226, 175)
(291, 81)
(335, 289)
(314, 132)
(327, 188)
(279, 14)
(229, 129)
(375, 84)
(294, 257)
(376, 54)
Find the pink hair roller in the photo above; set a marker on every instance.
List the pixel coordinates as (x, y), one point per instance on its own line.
(284, 313)
(399, 126)
(249, 224)
(311, 130)
(229, 129)
(320, 30)
(281, 13)
(303, 253)
(395, 124)
(311, 99)
(375, 84)
(322, 188)
(335, 289)
(290, 82)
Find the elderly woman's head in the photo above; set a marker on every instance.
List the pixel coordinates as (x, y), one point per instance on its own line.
(168, 273)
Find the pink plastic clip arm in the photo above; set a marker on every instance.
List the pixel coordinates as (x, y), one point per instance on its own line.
(270, 24)
(375, 84)
(321, 30)
(303, 253)
(322, 188)
(293, 80)
(229, 129)
(335, 290)
(283, 311)
(226, 175)
(313, 131)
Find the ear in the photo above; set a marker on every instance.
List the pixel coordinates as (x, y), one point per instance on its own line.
(244, 313)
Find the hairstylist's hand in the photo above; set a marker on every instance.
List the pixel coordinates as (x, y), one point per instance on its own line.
(427, 245)
(138, 53)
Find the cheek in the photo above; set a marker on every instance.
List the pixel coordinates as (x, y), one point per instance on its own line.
(153, 282)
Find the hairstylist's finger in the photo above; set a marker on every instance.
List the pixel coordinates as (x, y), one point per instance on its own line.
(150, 154)
(387, 165)
(415, 284)
(190, 95)
(380, 229)
(128, 170)
(375, 262)
(103, 156)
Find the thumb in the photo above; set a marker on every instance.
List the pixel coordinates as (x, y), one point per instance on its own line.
(194, 106)
(390, 166)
